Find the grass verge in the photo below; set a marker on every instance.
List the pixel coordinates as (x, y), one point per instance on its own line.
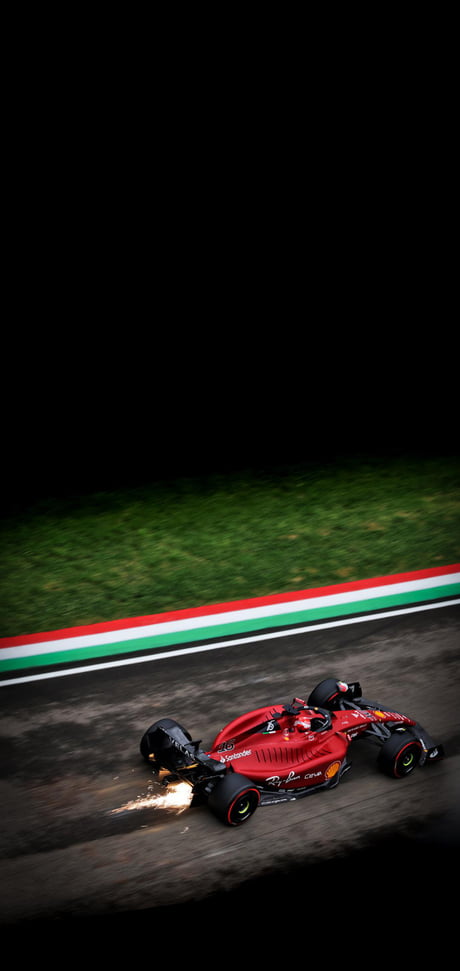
(169, 545)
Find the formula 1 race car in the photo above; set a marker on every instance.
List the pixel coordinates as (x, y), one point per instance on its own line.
(284, 752)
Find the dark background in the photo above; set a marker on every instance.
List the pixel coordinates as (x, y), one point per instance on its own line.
(220, 271)
(95, 419)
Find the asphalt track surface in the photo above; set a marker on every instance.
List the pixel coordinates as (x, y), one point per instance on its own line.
(74, 850)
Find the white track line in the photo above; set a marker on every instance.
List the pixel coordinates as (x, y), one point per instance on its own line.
(144, 659)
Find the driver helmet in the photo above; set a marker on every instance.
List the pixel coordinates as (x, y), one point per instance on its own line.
(303, 724)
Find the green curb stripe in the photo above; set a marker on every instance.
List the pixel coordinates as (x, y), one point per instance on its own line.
(153, 642)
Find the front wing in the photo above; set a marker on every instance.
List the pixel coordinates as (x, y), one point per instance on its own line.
(353, 698)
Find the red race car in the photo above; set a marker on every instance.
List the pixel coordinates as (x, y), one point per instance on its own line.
(283, 752)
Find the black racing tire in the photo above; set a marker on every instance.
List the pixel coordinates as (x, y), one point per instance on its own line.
(400, 755)
(234, 799)
(323, 696)
(147, 749)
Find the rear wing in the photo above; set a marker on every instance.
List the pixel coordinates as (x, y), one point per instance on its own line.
(171, 748)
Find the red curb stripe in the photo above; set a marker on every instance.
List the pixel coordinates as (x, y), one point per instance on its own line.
(206, 611)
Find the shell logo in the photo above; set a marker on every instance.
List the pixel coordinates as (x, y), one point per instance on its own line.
(332, 770)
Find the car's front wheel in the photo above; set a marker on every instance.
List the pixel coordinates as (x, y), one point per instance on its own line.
(234, 799)
(399, 755)
(325, 695)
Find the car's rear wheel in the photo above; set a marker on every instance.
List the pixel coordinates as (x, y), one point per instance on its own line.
(399, 755)
(234, 799)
